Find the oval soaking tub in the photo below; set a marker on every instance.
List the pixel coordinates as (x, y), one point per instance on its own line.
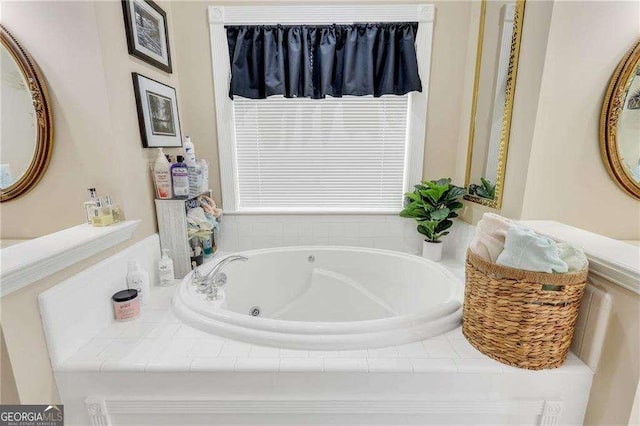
(326, 298)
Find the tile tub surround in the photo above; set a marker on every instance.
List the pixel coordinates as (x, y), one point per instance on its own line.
(188, 374)
(130, 371)
(438, 381)
(158, 341)
(390, 232)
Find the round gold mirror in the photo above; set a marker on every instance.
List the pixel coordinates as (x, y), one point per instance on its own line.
(620, 124)
(26, 132)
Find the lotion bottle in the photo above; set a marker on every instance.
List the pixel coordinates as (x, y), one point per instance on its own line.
(165, 267)
(189, 152)
(162, 176)
(180, 178)
(138, 279)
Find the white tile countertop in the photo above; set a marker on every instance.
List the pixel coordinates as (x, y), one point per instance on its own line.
(157, 341)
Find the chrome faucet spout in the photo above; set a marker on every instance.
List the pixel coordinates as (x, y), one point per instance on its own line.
(215, 278)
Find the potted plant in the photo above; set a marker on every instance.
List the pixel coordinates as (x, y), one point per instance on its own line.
(433, 204)
(485, 190)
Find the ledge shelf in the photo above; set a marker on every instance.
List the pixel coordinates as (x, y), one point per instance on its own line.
(25, 263)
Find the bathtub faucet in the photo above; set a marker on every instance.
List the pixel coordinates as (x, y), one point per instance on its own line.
(216, 278)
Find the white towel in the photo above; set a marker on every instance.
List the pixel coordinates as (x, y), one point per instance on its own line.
(573, 257)
(196, 216)
(524, 249)
(488, 241)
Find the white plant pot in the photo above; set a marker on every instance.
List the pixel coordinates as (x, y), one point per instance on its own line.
(432, 251)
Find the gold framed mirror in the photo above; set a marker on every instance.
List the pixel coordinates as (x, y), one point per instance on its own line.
(498, 49)
(27, 121)
(620, 124)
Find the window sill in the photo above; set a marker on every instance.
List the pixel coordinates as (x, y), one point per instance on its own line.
(30, 261)
(313, 212)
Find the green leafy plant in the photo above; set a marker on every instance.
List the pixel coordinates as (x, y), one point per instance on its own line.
(433, 204)
(485, 190)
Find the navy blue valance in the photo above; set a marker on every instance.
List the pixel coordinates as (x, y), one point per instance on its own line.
(315, 61)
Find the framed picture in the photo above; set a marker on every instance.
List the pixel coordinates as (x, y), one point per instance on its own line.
(147, 36)
(157, 113)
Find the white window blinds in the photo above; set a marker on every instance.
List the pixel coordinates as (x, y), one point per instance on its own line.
(333, 154)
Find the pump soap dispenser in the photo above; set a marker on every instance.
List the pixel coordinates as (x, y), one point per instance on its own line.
(165, 267)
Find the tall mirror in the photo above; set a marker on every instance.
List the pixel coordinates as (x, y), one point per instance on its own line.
(26, 129)
(498, 49)
(620, 124)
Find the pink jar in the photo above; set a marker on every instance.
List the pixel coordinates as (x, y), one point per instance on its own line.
(126, 304)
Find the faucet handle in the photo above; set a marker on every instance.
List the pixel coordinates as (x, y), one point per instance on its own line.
(221, 280)
(196, 276)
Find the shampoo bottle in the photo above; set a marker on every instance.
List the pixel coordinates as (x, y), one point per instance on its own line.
(180, 178)
(189, 152)
(162, 176)
(165, 267)
(138, 279)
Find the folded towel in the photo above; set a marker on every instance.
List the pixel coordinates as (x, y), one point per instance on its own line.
(574, 257)
(524, 249)
(196, 216)
(488, 241)
(209, 206)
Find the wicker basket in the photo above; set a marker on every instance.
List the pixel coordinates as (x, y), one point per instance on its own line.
(521, 318)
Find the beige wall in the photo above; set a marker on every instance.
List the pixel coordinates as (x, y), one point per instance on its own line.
(567, 180)
(81, 49)
(446, 92)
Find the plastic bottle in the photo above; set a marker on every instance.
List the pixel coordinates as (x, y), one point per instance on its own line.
(189, 152)
(162, 176)
(165, 267)
(138, 279)
(204, 168)
(180, 178)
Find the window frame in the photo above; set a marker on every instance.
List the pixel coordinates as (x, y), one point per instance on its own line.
(221, 15)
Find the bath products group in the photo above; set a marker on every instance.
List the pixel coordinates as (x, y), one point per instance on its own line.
(128, 303)
(182, 179)
(102, 211)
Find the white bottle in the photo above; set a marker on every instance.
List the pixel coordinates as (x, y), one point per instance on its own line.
(162, 176)
(138, 279)
(189, 152)
(204, 168)
(165, 267)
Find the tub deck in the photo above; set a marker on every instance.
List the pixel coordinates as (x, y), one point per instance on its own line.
(180, 375)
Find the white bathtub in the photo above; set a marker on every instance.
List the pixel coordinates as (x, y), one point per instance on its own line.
(327, 298)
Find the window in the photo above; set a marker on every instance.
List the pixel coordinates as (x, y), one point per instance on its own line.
(329, 154)
(350, 154)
